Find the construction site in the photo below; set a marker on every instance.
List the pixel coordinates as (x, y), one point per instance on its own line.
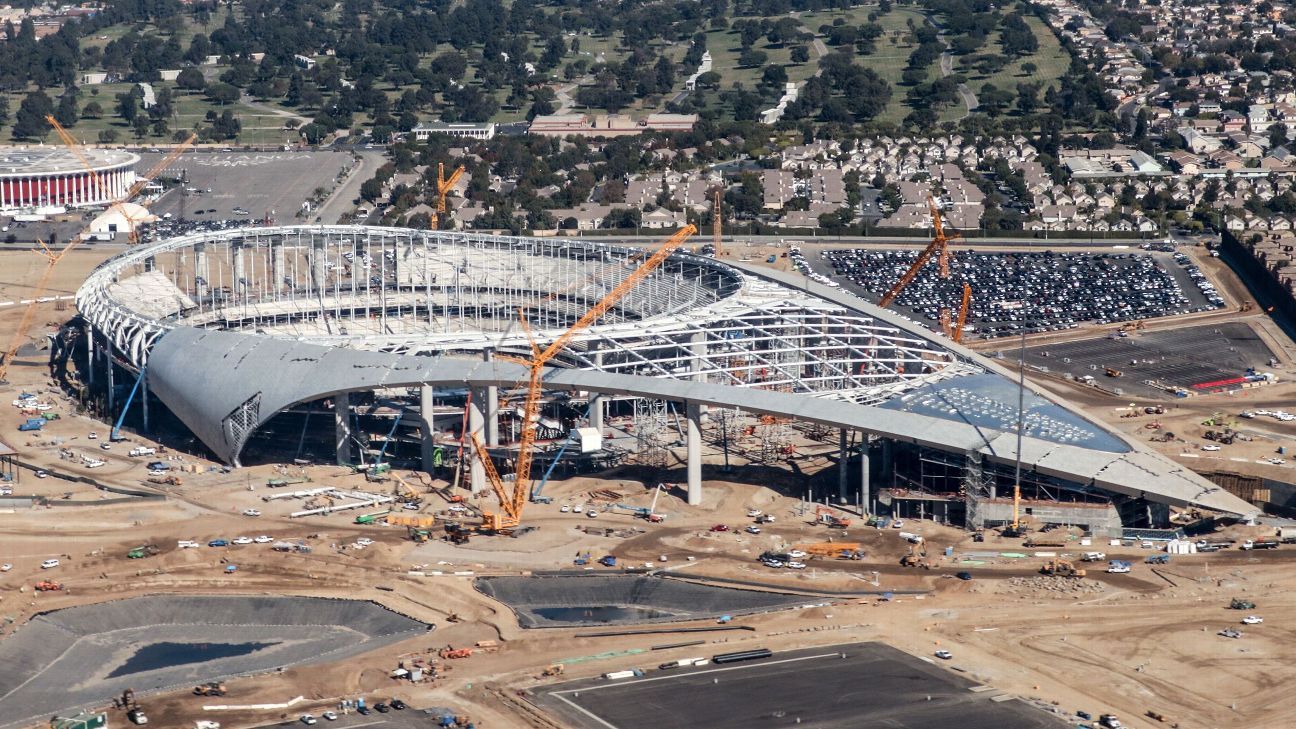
(277, 473)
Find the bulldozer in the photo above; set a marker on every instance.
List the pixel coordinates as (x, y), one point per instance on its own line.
(48, 586)
(211, 688)
(1061, 568)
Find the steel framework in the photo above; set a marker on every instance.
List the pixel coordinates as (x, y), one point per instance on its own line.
(433, 293)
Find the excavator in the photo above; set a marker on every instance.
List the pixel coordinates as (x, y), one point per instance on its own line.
(830, 518)
(1061, 568)
(917, 557)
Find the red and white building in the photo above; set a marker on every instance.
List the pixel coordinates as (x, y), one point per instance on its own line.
(45, 177)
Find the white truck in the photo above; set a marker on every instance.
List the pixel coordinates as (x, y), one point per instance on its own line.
(1093, 557)
(142, 451)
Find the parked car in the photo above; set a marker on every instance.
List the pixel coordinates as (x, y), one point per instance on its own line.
(1253, 620)
(330, 716)
(49, 564)
(242, 540)
(218, 543)
(264, 539)
(753, 530)
(720, 528)
(944, 655)
(307, 719)
(965, 576)
(381, 708)
(397, 704)
(253, 512)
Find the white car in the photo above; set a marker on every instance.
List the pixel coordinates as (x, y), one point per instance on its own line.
(1252, 620)
(1210, 447)
(564, 508)
(5, 567)
(241, 540)
(92, 436)
(42, 474)
(944, 655)
(329, 715)
(411, 507)
(662, 558)
(591, 513)
(364, 541)
(49, 564)
(897, 524)
(797, 554)
(753, 513)
(307, 719)
(187, 544)
(263, 539)
(796, 565)
(251, 512)
(752, 530)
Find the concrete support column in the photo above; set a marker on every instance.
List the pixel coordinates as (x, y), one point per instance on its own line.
(319, 274)
(200, 269)
(866, 495)
(887, 468)
(476, 416)
(240, 273)
(596, 400)
(694, 440)
(277, 266)
(108, 367)
(843, 462)
(698, 347)
(491, 403)
(426, 430)
(342, 427)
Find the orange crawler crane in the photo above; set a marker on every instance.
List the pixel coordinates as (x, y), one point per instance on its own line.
(512, 502)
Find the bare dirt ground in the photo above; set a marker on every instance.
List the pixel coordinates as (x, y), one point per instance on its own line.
(1122, 643)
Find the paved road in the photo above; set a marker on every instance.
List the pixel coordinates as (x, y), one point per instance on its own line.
(947, 69)
(341, 200)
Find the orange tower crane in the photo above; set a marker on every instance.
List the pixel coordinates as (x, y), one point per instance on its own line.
(512, 502)
(53, 257)
(939, 247)
(443, 188)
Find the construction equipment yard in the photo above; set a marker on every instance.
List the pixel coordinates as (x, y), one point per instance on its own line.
(514, 620)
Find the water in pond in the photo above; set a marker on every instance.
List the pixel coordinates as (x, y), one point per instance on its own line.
(598, 614)
(165, 655)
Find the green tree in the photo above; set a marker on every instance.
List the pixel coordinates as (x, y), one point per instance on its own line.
(66, 112)
(371, 189)
(108, 136)
(800, 54)
(4, 110)
(191, 79)
(30, 122)
(92, 110)
(140, 126)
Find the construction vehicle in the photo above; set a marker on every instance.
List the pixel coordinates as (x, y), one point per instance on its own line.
(148, 550)
(832, 550)
(211, 688)
(830, 518)
(419, 535)
(553, 670)
(1239, 604)
(1111, 372)
(917, 557)
(405, 493)
(1061, 568)
(1158, 559)
(938, 247)
(168, 480)
(452, 653)
(371, 518)
(48, 586)
(512, 502)
(275, 483)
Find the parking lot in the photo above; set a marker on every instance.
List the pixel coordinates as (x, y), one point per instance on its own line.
(836, 687)
(258, 182)
(1179, 358)
(1033, 291)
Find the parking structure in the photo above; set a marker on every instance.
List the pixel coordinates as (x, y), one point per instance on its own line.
(834, 687)
(1034, 291)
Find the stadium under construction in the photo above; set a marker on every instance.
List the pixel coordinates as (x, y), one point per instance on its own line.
(355, 344)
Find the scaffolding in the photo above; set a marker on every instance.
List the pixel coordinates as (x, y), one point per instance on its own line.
(650, 425)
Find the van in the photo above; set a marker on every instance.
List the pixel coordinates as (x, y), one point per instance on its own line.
(49, 564)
